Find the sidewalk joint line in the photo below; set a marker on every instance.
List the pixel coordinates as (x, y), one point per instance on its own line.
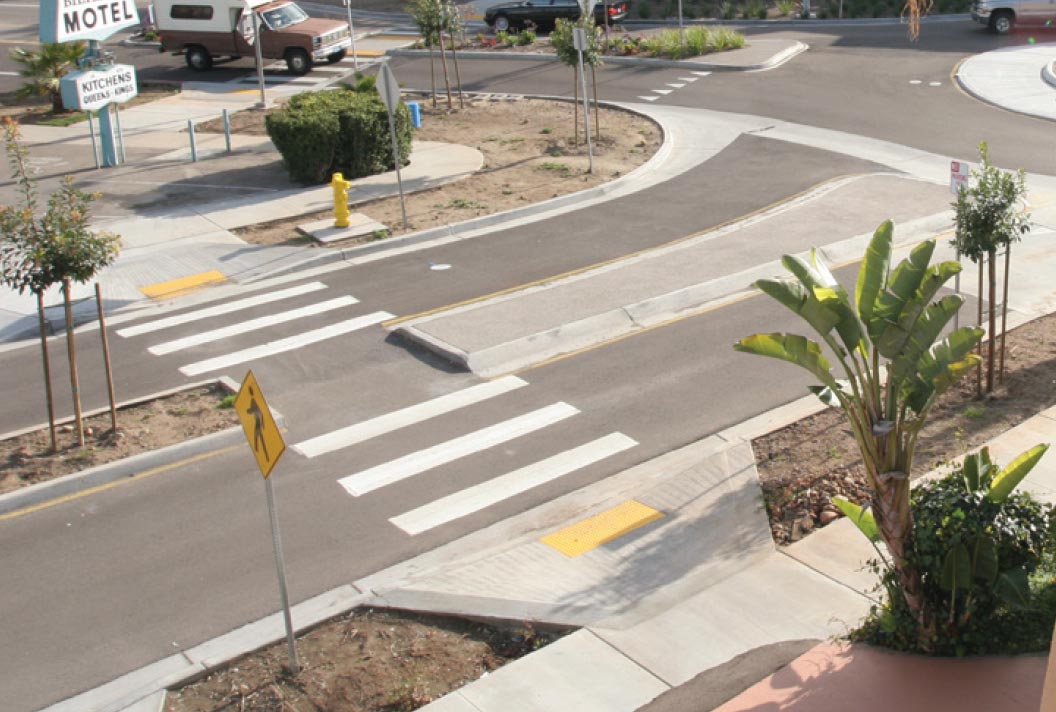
(634, 662)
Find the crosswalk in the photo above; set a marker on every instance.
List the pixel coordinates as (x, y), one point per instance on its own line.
(499, 415)
(682, 81)
(277, 74)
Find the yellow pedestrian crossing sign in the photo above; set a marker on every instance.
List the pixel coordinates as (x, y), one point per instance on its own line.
(261, 431)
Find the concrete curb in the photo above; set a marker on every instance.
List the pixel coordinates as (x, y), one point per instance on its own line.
(1047, 74)
(775, 60)
(130, 466)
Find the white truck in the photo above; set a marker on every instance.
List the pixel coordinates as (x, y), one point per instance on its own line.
(203, 30)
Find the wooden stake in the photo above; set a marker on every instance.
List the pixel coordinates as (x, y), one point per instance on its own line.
(991, 269)
(47, 370)
(1004, 313)
(458, 74)
(597, 111)
(979, 322)
(575, 109)
(71, 352)
(106, 358)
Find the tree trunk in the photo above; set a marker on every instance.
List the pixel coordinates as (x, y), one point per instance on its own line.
(71, 352)
(447, 76)
(47, 370)
(1004, 313)
(57, 107)
(106, 359)
(979, 346)
(992, 298)
(432, 73)
(894, 518)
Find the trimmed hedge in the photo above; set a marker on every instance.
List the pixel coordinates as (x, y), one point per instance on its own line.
(344, 131)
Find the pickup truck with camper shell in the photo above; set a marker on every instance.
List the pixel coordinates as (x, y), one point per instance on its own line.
(1002, 15)
(203, 30)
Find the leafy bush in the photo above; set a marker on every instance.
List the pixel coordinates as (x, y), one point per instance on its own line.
(756, 9)
(503, 38)
(526, 37)
(786, 7)
(699, 40)
(644, 9)
(727, 10)
(320, 133)
(722, 39)
(976, 551)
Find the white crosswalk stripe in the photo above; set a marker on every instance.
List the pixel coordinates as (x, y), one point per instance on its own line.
(418, 462)
(486, 494)
(220, 309)
(244, 327)
(387, 423)
(283, 345)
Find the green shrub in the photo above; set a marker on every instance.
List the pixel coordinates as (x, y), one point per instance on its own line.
(502, 37)
(979, 561)
(526, 37)
(344, 131)
(722, 39)
(786, 8)
(727, 10)
(756, 9)
(644, 9)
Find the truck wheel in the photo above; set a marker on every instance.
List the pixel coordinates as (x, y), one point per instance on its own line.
(1001, 22)
(336, 57)
(501, 23)
(198, 58)
(298, 61)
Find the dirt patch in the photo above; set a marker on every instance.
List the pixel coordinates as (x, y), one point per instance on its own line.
(27, 459)
(803, 465)
(530, 155)
(366, 661)
(37, 110)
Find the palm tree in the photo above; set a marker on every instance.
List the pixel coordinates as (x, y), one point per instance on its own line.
(42, 70)
(895, 367)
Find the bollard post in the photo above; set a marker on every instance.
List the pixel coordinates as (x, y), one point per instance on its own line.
(194, 147)
(227, 130)
(340, 186)
(95, 149)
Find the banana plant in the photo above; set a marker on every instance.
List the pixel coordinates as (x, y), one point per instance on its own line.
(893, 363)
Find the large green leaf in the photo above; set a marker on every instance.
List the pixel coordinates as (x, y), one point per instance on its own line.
(801, 301)
(862, 518)
(941, 366)
(970, 472)
(894, 337)
(984, 559)
(956, 569)
(923, 335)
(902, 286)
(1013, 588)
(872, 275)
(792, 348)
(1011, 476)
(814, 275)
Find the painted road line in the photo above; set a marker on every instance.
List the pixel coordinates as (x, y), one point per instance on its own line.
(665, 92)
(346, 437)
(418, 462)
(676, 86)
(478, 497)
(283, 345)
(702, 74)
(242, 327)
(688, 79)
(649, 98)
(602, 528)
(220, 309)
(183, 285)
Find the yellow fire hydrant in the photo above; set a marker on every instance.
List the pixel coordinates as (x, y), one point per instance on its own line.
(340, 186)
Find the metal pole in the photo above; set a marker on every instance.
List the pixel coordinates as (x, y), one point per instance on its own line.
(396, 160)
(194, 147)
(260, 59)
(120, 133)
(586, 114)
(1004, 314)
(352, 34)
(681, 27)
(957, 290)
(95, 148)
(227, 130)
(281, 569)
(106, 358)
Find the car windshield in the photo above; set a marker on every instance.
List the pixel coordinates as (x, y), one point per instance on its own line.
(284, 16)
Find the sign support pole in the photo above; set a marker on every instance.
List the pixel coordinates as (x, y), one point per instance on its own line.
(352, 34)
(95, 148)
(260, 59)
(579, 35)
(276, 538)
(120, 133)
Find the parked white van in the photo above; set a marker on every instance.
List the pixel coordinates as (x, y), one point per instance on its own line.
(203, 30)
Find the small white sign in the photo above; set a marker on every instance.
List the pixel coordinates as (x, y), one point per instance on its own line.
(958, 176)
(69, 20)
(579, 39)
(96, 88)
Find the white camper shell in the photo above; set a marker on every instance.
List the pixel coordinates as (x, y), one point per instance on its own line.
(203, 30)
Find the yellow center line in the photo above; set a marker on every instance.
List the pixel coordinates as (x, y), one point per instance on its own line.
(597, 265)
(110, 485)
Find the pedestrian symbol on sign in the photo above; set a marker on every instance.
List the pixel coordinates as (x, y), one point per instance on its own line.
(261, 431)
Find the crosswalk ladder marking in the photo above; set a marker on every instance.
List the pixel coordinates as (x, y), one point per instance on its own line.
(418, 462)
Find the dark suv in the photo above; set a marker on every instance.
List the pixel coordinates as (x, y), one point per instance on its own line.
(544, 13)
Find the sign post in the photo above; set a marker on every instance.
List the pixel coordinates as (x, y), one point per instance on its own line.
(390, 94)
(579, 41)
(267, 444)
(352, 35)
(959, 172)
(259, 57)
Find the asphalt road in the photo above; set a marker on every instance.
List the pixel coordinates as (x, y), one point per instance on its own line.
(108, 582)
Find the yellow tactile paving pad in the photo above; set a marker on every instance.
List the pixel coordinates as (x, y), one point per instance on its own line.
(396, 38)
(183, 285)
(370, 53)
(602, 528)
